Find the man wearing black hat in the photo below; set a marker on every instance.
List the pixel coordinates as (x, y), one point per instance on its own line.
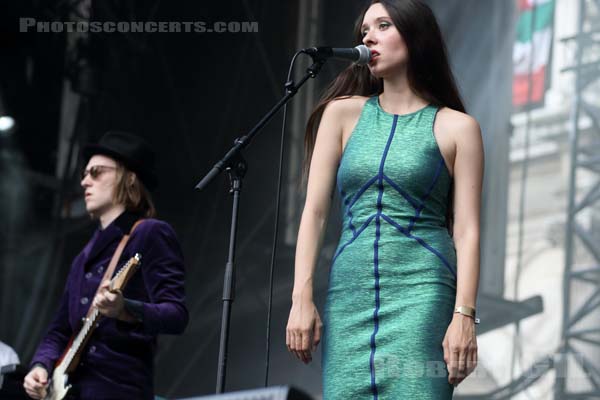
(117, 362)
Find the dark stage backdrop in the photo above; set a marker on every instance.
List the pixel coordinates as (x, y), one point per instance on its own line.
(190, 95)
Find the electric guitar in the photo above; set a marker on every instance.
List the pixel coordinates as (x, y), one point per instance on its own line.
(59, 384)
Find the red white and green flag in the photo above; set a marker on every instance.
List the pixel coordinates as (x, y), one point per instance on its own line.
(532, 53)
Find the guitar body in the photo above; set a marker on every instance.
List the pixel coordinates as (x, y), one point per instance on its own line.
(58, 387)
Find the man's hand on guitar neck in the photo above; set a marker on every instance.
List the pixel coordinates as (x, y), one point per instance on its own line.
(111, 304)
(36, 382)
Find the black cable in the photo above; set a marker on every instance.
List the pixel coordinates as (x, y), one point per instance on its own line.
(276, 223)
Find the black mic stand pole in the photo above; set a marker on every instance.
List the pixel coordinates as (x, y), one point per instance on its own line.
(236, 167)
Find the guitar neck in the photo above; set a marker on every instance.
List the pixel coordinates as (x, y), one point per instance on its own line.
(89, 325)
(70, 358)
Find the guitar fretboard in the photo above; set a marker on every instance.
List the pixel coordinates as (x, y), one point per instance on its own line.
(81, 338)
(90, 323)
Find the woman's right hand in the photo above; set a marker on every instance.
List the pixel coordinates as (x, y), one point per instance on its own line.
(36, 382)
(303, 332)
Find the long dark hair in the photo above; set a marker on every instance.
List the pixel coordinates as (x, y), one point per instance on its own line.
(428, 69)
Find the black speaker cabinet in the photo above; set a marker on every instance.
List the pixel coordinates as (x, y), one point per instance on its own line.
(272, 393)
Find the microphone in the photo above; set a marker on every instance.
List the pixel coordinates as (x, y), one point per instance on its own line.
(360, 54)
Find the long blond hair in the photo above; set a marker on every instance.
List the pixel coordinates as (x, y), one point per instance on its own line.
(131, 192)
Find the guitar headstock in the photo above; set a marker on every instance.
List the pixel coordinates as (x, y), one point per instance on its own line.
(122, 276)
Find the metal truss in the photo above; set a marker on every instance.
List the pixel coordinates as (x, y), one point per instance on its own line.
(578, 352)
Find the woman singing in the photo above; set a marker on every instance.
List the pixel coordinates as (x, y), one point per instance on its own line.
(407, 161)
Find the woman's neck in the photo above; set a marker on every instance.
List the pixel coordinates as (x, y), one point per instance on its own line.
(398, 97)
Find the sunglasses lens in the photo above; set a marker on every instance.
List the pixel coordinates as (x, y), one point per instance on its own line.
(95, 171)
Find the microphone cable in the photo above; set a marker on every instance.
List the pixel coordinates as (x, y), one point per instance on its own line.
(276, 223)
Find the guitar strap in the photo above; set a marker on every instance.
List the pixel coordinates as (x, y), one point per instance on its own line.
(115, 258)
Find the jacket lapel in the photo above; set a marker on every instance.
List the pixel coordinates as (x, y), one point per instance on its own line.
(108, 236)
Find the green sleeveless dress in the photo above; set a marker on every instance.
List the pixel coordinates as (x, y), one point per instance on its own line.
(392, 284)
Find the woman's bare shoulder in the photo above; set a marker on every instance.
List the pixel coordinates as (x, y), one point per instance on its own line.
(348, 105)
(456, 123)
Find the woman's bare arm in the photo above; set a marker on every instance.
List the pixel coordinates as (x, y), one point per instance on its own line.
(304, 325)
(468, 181)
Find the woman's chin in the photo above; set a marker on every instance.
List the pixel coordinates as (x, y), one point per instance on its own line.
(385, 71)
(376, 71)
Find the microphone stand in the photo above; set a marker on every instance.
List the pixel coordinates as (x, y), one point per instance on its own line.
(236, 167)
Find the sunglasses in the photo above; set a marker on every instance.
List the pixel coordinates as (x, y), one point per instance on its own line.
(95, 171)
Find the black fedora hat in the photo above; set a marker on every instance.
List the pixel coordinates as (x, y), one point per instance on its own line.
(131, 150)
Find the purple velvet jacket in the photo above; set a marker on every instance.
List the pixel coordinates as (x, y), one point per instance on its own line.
(117, 363)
